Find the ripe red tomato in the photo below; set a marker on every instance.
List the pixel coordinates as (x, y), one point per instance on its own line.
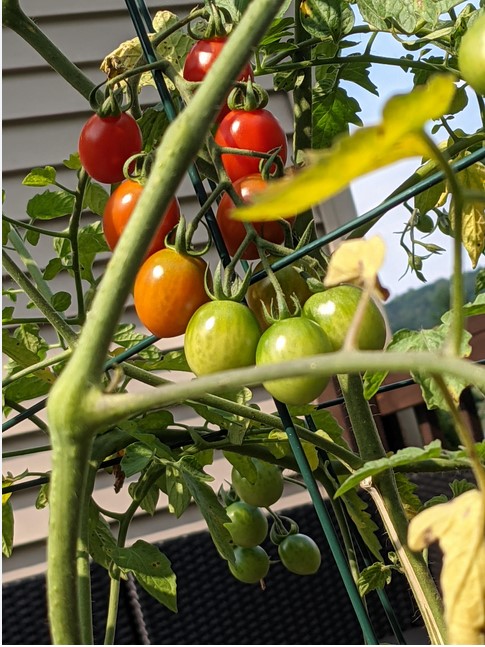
(105, 143)
(256, 130)
(169, 287)
(233, 231)
(201, 57)
(292, 283)
(289, 339)
(119, 208)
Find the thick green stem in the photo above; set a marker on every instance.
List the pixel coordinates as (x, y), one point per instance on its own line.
(15, 18)
(384, 492)
(70, 462)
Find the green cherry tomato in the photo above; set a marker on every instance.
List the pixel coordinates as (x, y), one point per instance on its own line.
(334, 309)
(266, 489)
(471, 55)
(289, 339)
(248, 526)
(251, 566)
(262, 292)
(221, 335)
(300, 554)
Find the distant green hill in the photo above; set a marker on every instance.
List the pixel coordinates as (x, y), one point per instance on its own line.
(423, 307)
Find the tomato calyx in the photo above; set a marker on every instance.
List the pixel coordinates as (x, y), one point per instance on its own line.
(216, 22)
(280, 309)
(227, 285)
(279, 531)
(183, 240)
(247, 96)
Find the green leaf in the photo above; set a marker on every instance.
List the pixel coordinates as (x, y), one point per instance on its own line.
(42, 496)
(127, 336)
(408, 17)
(136, 458)
(91, 242)
(480, 281)
(178, 493)
(401, 457)
(329, 427)
(50, 205)
(153, 124)
(374, 577)
(148, 439)
(357, 510)
(359, 73)
(331, 116)
(40, 176)
(61, 301)
(101, 542)
(460, 486)
(152, 569)
(208, 504)
(7, 314)
(171, 361)
(52, 269)
(6, 227)
(368, 149)
(243, 464)
(150, 500)
(407, 493)
(72, 162)
(435, 500)
(26, 388)
(7, 527)
(321, 18)
(95, 198)
(32, 237)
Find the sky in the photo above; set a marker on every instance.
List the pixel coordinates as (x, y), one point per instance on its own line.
(372, 189)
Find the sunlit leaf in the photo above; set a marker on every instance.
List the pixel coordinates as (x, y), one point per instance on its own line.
(375, 576)
(357, 262)
(329, 172)
(40, 176)
(458, 527)
(7, 528)
(473, 227)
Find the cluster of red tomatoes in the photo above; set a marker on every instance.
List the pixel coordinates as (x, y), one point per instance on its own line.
(169, 290)
(248, 528)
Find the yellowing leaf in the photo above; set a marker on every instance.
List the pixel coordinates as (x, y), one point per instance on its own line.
(459, 527)
(282, 448)
(356, 261)
(330, 171)
(473, 226)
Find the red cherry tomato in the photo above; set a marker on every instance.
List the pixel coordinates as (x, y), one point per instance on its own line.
(256, 130)
(233, 231)
(105, 143)
(201, 57)
(169, 287)
(119, 208)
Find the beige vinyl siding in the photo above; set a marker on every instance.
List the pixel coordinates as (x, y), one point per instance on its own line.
(42, 117)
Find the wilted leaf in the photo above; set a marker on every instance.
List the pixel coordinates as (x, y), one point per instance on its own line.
(458, 526)
(368, 149)
(357, 262)
(473, 227)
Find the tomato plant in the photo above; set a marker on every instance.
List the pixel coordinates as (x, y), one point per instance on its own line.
(256, 130)
(248, 526)
(105, 143)
(233, 231)
(288, 339)
(221, 335)
(300, 554)
(251, 565)
(262, 292)
(119, 208)
(471, 55)
(264, 490)
(334, 309)
(200, 58)
(169, 287)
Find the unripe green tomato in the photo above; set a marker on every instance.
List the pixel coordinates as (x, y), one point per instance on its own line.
(334, 309)
(266, 489)
(288, 339)
(471, 55)
(300, 554)
(251, 565)
(248, 526)
(425, 223)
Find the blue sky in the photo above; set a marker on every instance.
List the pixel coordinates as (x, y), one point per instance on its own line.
(370, 190)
